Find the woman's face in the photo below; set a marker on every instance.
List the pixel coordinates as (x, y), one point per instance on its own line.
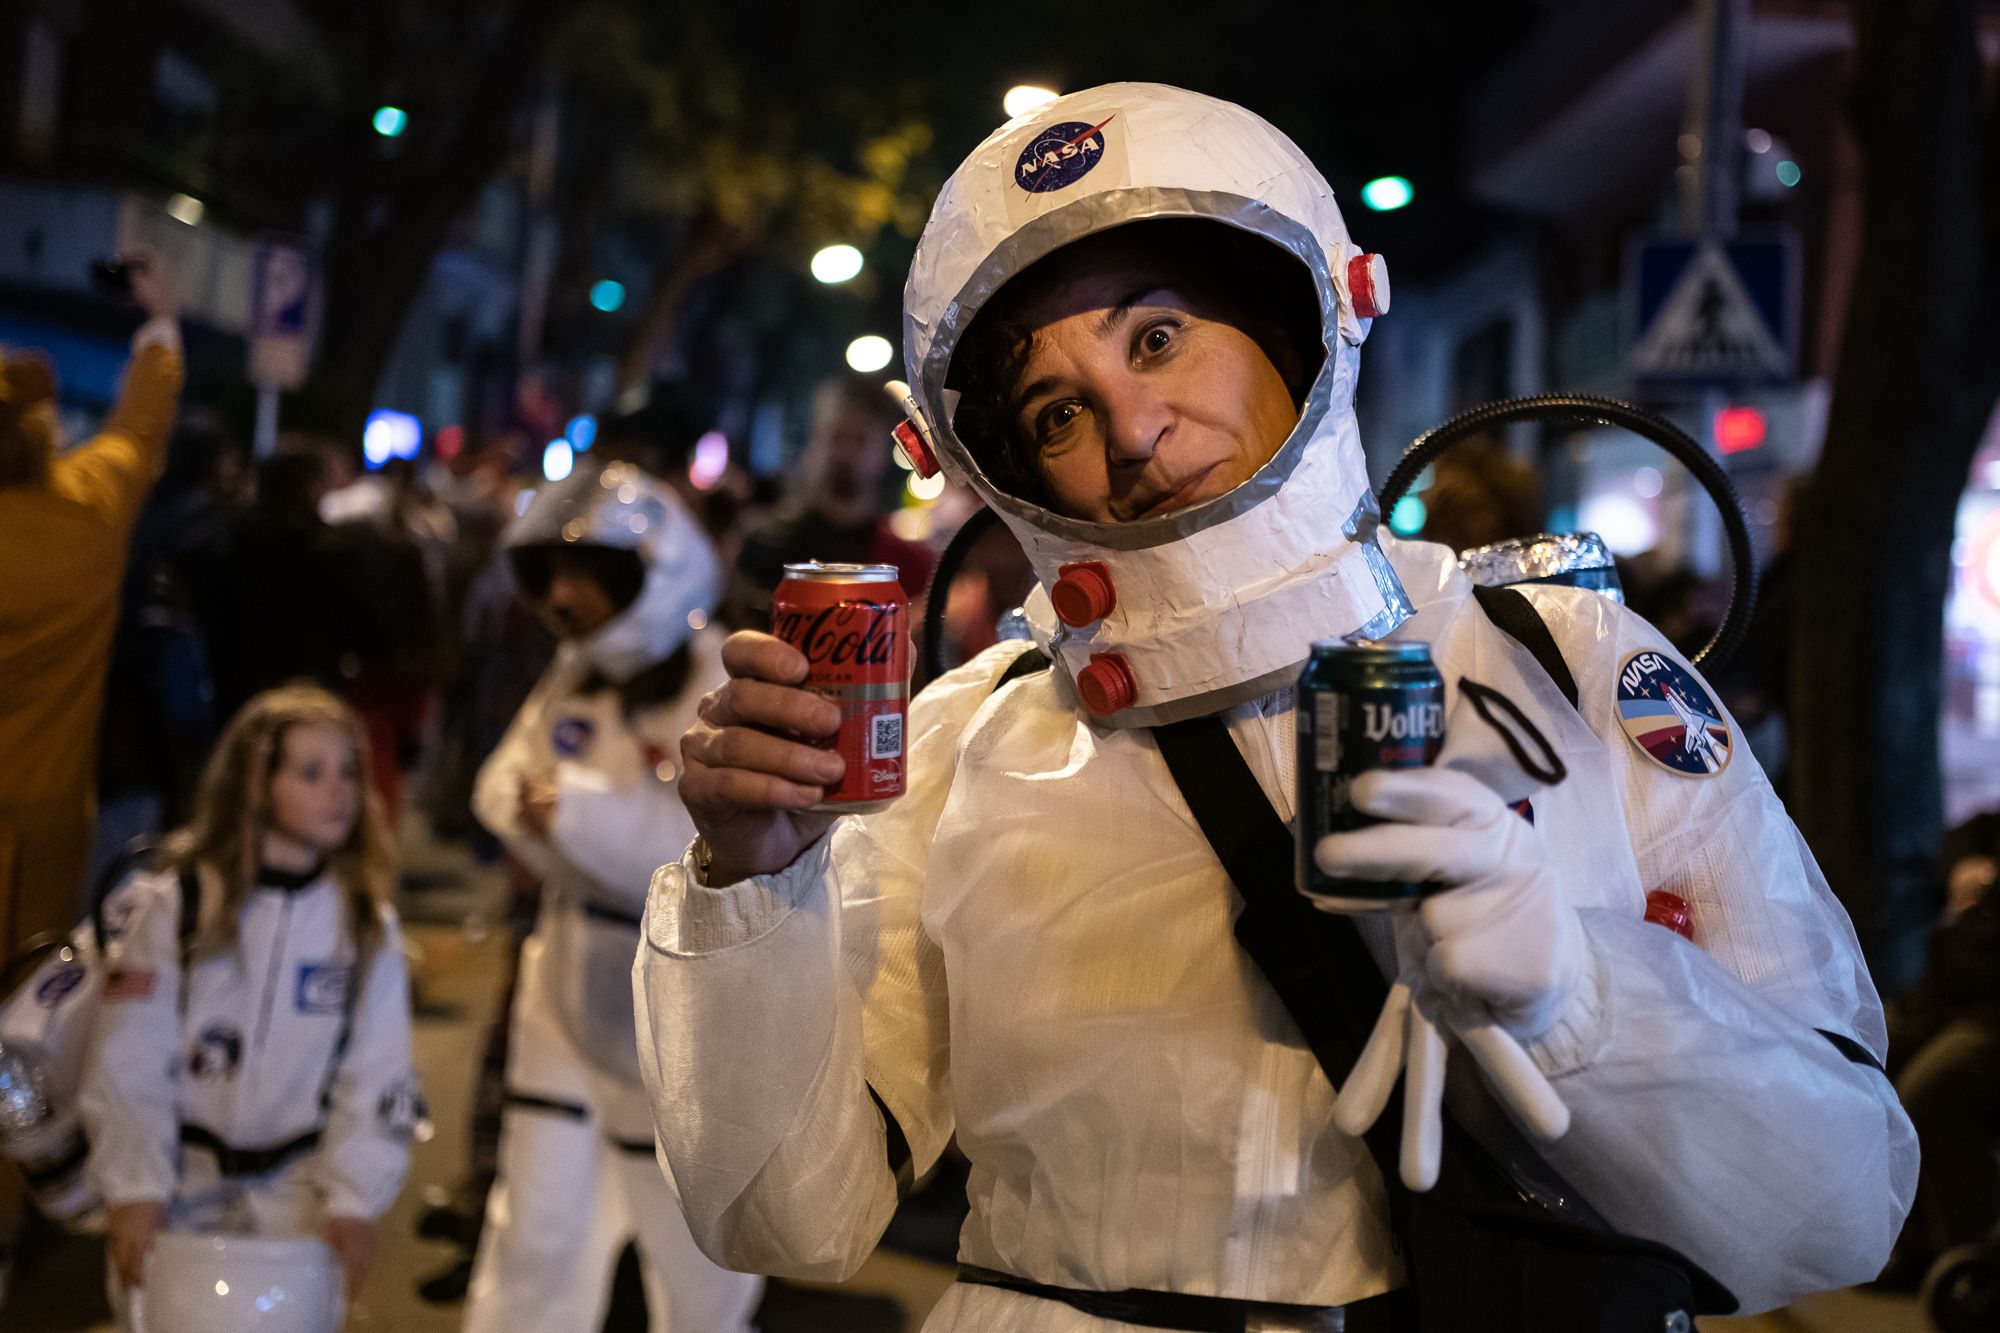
(316, 787)
(1138, 397)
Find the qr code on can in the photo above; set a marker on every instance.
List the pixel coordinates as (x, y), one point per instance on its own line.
(885, 736)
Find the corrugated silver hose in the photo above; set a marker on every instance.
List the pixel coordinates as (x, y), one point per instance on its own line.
(1582, 407)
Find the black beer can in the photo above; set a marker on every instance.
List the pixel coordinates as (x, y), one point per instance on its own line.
(1360, 706)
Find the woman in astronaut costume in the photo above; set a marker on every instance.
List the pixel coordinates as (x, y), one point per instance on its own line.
(582, 791)
(1032, 948)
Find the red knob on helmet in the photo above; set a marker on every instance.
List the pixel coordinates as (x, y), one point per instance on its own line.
(911, 440)
(1083, 593)
(1107, 684)
(1368, 285)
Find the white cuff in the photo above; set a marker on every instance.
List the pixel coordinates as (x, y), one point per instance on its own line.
(685, 917)
(1573, 1040)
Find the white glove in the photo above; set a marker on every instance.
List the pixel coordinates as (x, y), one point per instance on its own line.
(1504, 935)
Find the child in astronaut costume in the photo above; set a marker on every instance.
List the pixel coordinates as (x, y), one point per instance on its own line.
(582, 791)
(1032, 948)
(250, 1070)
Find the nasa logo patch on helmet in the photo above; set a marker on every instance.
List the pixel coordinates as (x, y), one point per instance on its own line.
(1060, 155)
(59, 985)
(572, 736)
(1670, 717)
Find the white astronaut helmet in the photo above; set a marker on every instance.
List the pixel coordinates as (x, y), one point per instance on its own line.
(235, 1284)
(619, 507)
(45, 1025)
(1196, 609)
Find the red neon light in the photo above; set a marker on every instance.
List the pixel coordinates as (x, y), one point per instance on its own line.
(1738, 429)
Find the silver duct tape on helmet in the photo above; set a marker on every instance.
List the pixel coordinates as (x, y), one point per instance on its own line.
(1216, 603)
(620, 507)
(1573, 559)
(26, 1091)
(40, 1135)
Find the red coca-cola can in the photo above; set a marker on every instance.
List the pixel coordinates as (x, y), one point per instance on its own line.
(853, 624)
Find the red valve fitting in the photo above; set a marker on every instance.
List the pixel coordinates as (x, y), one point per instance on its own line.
(1083, 593)
(1368, 285)
(1672, 911)
(922, 461)
(1107, 684)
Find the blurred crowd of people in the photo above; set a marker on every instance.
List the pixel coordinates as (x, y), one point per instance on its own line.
(162, 581)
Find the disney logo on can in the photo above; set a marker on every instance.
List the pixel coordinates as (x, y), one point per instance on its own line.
(1060, 155)
(830, 637)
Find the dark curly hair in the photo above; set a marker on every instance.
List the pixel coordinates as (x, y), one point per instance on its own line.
(1269, 293)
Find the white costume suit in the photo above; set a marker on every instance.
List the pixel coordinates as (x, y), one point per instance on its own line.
(237, 1051)
(577, 1178)
(1033, 947)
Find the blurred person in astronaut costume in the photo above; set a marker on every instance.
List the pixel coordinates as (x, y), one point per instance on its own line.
(582, 791)
(1133, 325)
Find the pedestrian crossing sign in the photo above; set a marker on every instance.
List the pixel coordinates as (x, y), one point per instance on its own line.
(1711, 312)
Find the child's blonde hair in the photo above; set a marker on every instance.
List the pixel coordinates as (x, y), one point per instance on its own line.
(232, 812)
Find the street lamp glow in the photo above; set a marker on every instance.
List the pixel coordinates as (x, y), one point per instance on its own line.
(1385, 194)
(925, 488)
(869, 353)
(390, 121)
(1025, 97)
(607, 295)
(836, 263)
(185, 208)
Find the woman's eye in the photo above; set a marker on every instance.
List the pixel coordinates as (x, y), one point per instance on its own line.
(1056, 418)
(1156, 338)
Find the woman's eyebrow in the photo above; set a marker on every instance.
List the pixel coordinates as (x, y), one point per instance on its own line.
(1124, 306)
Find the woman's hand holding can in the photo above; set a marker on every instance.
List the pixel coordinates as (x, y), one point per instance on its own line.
(753, 765)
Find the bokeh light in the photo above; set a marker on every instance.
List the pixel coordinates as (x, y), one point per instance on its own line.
(607, 295)
(388, 434)
(1025, 97)
(558, 459)
(869, 353)
(836, 264)
(1407, 518)
(711, 461)
(1385, 194)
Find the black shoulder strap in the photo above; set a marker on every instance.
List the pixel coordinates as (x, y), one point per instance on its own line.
(190, 879)
(1517, 618)
(1027, 664)
(1316, 961)
(1322, 971)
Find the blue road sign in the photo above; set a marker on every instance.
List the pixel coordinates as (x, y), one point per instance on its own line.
(1705, 312)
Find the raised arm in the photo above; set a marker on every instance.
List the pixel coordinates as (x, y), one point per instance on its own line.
(112, 472)
(793, 1027)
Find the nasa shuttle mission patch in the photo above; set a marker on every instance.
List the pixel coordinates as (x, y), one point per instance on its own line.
(1669, 715)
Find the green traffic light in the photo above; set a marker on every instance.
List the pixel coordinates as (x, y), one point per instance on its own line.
(391, 121)
(1789, 173)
